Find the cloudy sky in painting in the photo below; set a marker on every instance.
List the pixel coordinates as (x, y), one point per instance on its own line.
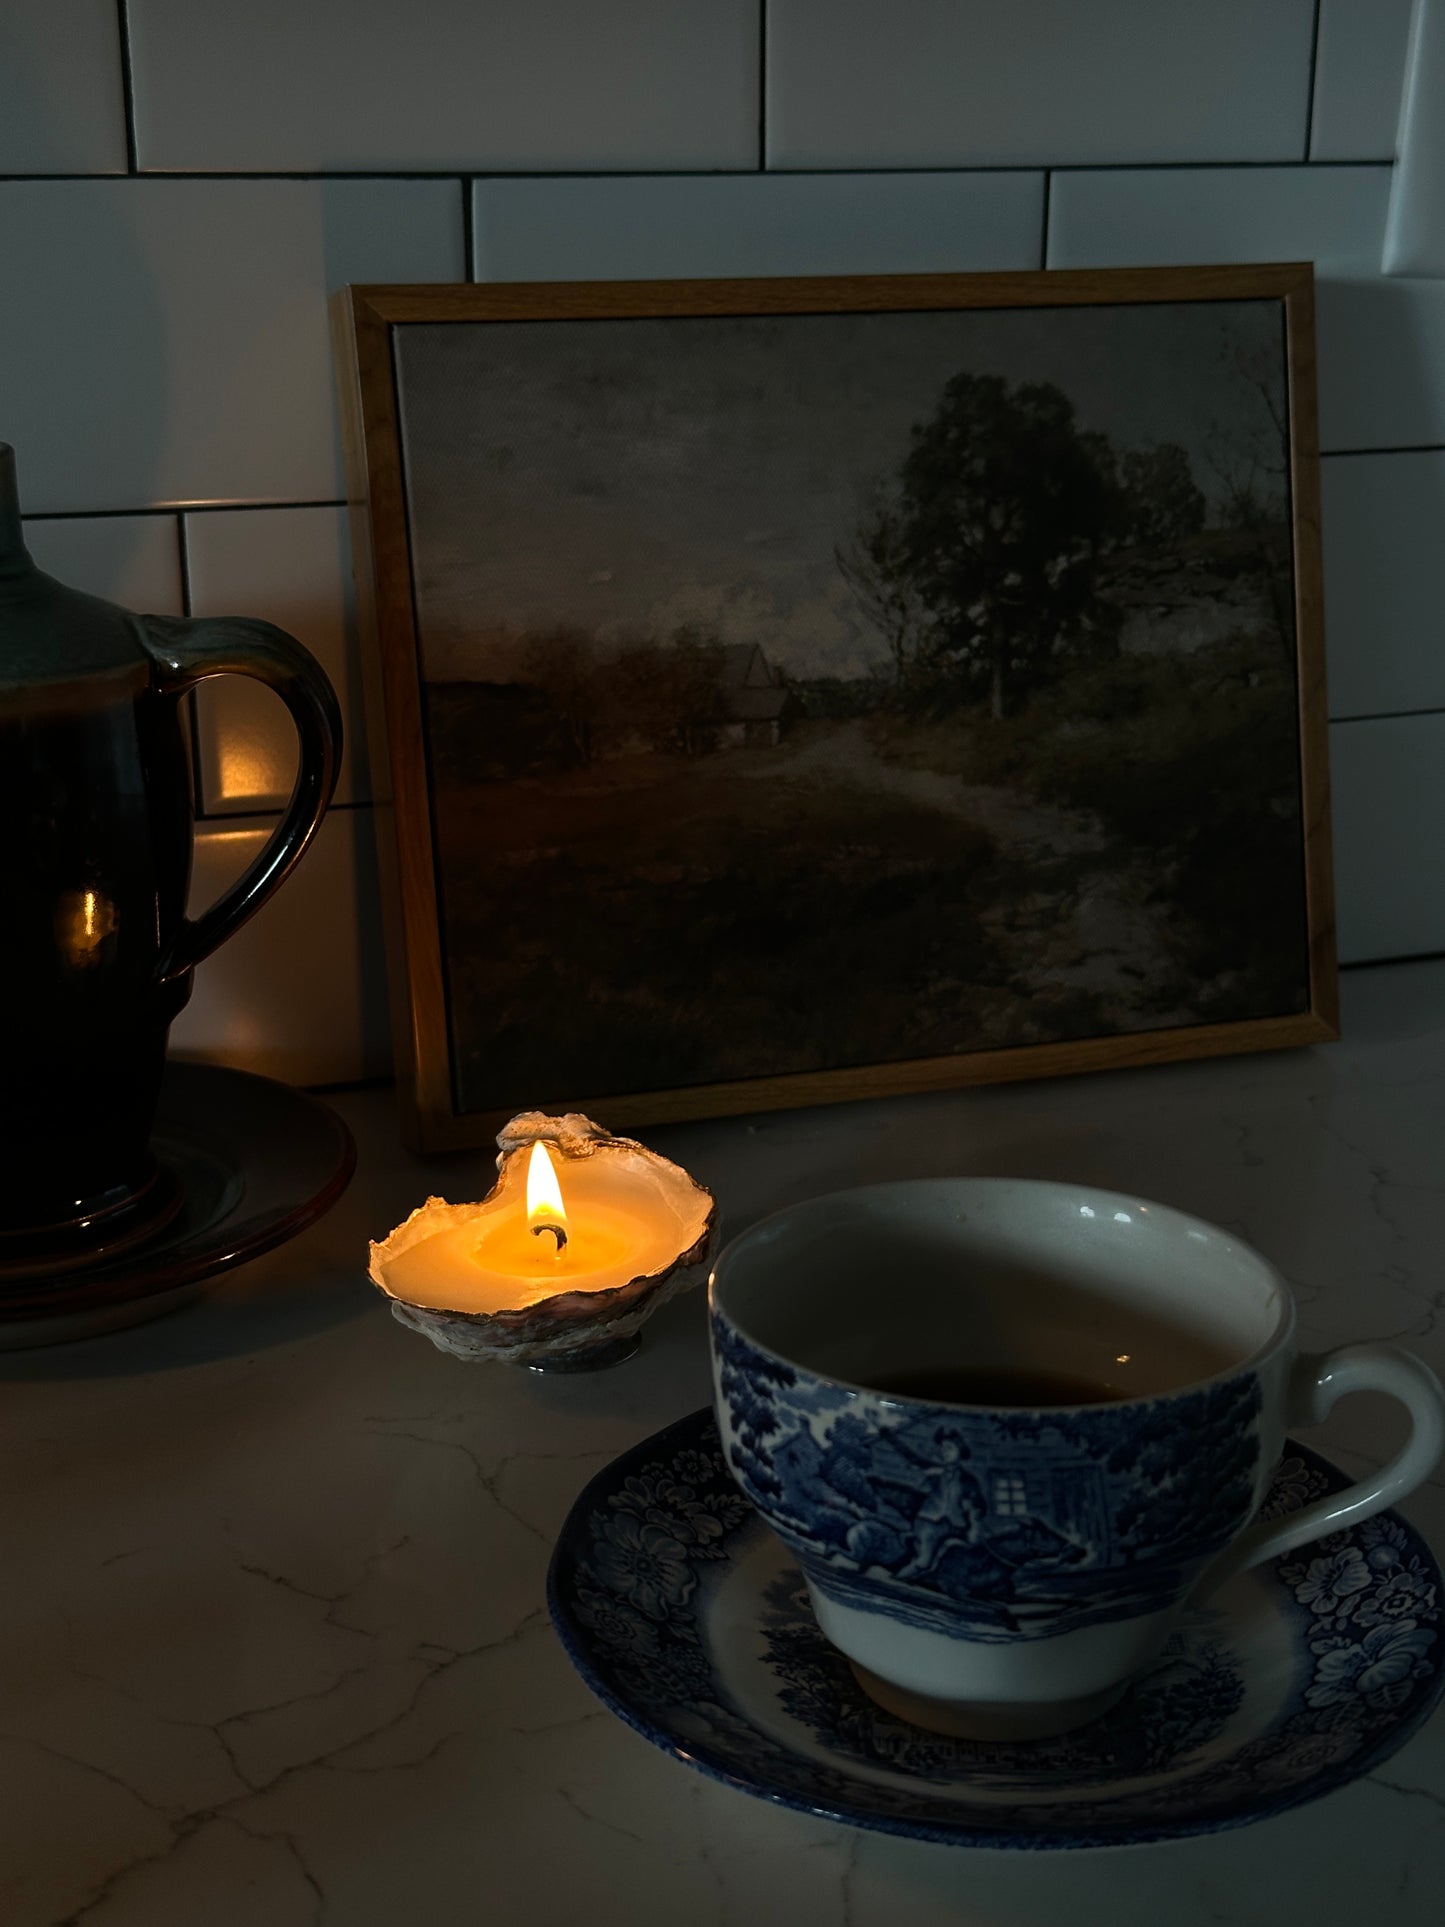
(634, 475)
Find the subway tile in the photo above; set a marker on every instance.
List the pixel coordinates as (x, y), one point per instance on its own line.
(366, 85)
(1387, 779)
(755, 224)
(1159, 217)
(291, 567)
(1415, 236)
(300, 992)
(1384, 582)
(175, 348)
(1359, 74)
(62, 103)
(1382, 362)
(960, 83)
(134, 560)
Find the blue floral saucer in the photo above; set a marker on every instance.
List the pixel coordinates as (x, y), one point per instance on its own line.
(688, 1618)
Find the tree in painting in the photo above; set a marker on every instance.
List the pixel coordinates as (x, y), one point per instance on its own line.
(1162, 501)
(1006, 509)
(876, 566)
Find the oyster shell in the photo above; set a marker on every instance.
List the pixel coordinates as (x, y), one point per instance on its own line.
(565, 1326)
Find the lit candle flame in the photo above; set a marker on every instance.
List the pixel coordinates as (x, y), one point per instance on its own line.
(545, 1210)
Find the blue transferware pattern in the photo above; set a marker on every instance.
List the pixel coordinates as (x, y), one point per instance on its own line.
(1035, 1524)
(690, 1620)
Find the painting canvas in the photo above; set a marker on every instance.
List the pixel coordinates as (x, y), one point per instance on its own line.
(805, 694)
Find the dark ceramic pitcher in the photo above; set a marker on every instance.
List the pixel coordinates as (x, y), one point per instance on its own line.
(96, 951)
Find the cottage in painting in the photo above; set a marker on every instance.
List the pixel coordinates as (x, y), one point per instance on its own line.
(753, 699)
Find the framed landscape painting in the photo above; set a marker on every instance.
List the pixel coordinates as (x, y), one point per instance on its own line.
(793, 690)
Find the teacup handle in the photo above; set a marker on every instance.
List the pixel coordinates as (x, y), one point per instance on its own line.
(1317, 1380)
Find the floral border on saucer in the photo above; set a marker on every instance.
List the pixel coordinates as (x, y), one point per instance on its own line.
(634, 1572)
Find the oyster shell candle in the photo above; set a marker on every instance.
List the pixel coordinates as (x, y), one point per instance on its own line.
(579, 1241)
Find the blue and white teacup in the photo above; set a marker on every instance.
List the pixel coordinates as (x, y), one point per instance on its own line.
(1010, 1428)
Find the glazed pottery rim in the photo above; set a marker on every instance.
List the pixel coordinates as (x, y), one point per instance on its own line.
(229, 1238)
(1280, 1336)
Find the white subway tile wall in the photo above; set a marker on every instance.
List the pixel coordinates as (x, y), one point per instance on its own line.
(1389, 853)
(365, 86)
(971, 83)
(1359, 70)
(645, 226)
(1170, 216)
(165, 369)
(1381, 362)
(173, 345)
(131, 559)
(1415, 238)
(1384, 520)
(62, 103)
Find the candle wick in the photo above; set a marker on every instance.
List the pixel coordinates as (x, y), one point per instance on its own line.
(558, 1231)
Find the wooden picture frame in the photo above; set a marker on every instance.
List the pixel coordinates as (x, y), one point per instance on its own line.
(1145, 439)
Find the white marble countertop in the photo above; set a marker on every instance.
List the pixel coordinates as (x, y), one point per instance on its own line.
(274, 1641)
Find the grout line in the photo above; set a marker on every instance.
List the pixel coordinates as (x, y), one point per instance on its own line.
(1400, 448)
(272, 810)
(469, 247)
(307, 174)
(173, 508)
(1384, 963)
(480, 172)
(183, 548)
(198, 794)
(1282, 161)
(127, 87)
(1048, 198)
(691, 173)
(762, 86)
(1310, 100)
(1389, 715)
(224, 507)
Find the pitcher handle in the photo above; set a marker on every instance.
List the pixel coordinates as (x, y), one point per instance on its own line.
(1316, 1381)
(185, 653)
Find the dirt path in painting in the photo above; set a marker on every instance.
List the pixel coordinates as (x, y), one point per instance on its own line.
(1088, 926)
(845, 754)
